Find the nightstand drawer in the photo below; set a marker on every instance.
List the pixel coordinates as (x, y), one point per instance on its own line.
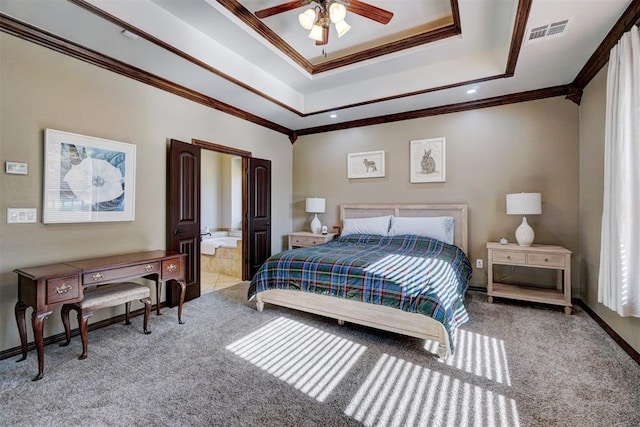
(306, 240)
(511, 257)
(544, 259)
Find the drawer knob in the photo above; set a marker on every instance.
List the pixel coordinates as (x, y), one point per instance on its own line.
(98, 276)
(148, 267)
(63, 289)
(546, 260)
(172, 267)
(508, 256)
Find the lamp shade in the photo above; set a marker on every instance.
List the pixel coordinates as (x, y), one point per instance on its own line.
(315, 204)
(316, 33)
(307, 19)
(524, 204)
(342, 27)
(337, 12)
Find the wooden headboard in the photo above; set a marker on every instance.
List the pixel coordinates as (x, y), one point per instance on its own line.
(457, 211)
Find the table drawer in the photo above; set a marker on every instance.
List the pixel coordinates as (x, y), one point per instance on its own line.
(172, 268)
(509, 257)
(104, 276)
(545, 259)
(63, 289)
(306, 240)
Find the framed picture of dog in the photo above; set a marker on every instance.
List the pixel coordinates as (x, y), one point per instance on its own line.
(369, 164)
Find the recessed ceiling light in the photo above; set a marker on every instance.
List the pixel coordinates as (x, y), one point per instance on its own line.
(129, 34)
(333, 115)
(472, 90)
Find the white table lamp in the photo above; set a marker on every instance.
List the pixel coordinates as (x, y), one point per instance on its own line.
(315, 205)
(524, 204)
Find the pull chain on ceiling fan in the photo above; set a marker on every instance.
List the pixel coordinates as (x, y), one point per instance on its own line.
(318, 19)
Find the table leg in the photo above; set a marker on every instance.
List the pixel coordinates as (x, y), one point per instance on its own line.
(20, 310)
(183, 290)
(158, 290)
(38, 319)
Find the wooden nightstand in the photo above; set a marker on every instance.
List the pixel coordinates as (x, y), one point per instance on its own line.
(535, 256)
(301, 239)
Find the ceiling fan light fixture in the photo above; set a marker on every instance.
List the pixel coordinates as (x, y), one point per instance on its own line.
(307, 19)
(342, 27)
(316, 33)
(337, 12)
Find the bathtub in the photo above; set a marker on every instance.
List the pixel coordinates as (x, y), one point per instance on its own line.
(209, 245)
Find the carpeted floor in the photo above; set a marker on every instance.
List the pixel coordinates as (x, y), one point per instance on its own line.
(232, 366)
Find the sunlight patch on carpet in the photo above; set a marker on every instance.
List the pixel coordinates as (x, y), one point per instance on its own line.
(311, 360)
(400, 393)
(477, 354)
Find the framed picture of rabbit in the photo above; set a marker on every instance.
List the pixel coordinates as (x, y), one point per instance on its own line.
(369, 164)
(428, 159)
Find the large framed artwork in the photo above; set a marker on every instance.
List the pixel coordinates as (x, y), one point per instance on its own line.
(428, 159)
(368, 164)
(87, 179)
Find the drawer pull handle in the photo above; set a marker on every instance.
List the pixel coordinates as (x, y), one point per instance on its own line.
(98, 276)
(148, 267)
(171, 268)
(63, 289)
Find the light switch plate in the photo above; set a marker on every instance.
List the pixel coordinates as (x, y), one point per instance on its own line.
(21, 215)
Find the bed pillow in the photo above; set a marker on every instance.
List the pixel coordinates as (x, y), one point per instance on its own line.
(378, 225)
(437, 227)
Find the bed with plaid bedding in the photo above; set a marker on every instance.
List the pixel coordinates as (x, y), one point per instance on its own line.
(411, 273)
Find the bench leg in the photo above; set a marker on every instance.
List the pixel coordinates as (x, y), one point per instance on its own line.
(127, 308)
(82, 323)
(65, 321)
(147, 310)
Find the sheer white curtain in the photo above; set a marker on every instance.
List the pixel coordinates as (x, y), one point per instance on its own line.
(619, 279)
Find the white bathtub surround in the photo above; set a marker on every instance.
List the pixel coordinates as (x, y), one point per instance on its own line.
(219, 239)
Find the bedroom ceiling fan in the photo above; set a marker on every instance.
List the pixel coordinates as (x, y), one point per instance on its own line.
(318, 19)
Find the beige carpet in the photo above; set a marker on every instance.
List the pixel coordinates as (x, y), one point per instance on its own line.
(232, 366)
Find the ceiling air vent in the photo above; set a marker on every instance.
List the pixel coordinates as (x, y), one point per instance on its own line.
(543, 32)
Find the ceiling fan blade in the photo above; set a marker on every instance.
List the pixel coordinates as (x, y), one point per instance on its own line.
(369, 11)
(284, 7)
(325, 37)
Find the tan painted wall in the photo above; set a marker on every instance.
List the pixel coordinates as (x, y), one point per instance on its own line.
(592, 117)
(530, 146)
(42, 89)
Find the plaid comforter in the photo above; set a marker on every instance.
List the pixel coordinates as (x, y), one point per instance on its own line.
(411, 273)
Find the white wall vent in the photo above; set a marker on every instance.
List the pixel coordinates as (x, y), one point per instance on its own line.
(548, 31)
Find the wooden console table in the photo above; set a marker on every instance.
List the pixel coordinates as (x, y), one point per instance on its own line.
(47, 286)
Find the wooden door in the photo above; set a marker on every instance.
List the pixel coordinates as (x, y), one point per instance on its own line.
(183, 215)
(258, 214)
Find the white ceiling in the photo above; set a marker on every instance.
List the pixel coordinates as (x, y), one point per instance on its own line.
(225, 59)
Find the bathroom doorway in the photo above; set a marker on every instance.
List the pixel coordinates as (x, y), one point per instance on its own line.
(220, 220)
(184, 226)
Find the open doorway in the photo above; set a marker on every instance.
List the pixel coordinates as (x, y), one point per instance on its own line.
(184, 227)
(220, 221)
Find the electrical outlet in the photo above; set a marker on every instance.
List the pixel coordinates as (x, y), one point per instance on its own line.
(479, 263)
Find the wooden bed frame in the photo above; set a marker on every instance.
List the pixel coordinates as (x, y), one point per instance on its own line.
(378, 316)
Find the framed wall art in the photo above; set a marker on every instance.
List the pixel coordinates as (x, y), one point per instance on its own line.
(368, 164)
(87, 179)
(428, 158)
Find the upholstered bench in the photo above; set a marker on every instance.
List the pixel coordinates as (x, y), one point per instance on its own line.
(101, 297)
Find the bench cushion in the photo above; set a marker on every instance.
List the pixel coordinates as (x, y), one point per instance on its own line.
(113, 294)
